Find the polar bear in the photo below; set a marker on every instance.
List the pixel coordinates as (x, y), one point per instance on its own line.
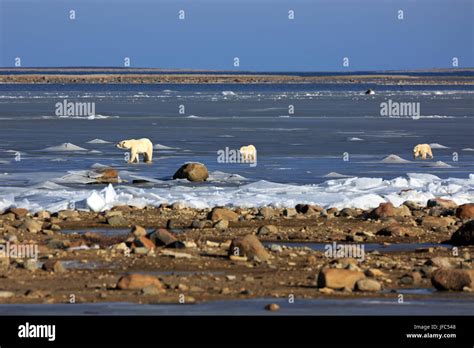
(138, 146)
(249, 153)
(422, 150)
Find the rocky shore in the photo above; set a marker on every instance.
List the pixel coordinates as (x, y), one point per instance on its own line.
(78, 76)
(175, 254)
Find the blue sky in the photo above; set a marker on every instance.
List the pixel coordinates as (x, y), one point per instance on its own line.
(258, 32)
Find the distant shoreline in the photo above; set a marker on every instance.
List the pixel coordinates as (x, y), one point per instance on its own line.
(163, 76)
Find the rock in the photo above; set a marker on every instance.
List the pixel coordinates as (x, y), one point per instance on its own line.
(138, 231)
(151, 290)
(138, 282)
(31, 226)
(194, 172)
(144, 242)
(413, 278)
(440, 262)
(452, 279)
(412, 205)
(383, 210)
(386, 210)
(435, 222)
(221, 225)
(349, 212)
(104, 175)
(396, 231)
(53, 266)
(163, 237)
(178, 206)
(464, 235)
(268, 213)
(30, 265)
(18, 212)
(58, 244)
(290, 212)
(223, 213)
(6, 294)
(248, 246)
(336, 278)
(374, 272)
(276, 248)
(273, 307)
(267, 229)
(67, 214)
(368, 285)
(199, 224)
(175, 254)
(116, 221)
(308, 209)
(465, 211)
(441, 202)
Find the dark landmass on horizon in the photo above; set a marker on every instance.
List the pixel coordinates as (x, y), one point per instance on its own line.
(122, 75)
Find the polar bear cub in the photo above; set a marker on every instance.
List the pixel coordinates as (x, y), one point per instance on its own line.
(249, 153)
(138, 146)
(422, 150)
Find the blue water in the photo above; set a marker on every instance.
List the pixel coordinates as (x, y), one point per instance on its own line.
(364, 306)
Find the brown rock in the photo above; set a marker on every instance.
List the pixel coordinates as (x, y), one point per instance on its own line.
(138, 231)
(221, 225)
(396, 230)
(383, 210)
(368, 285)
(19, 212)
(308, 209)
(53, 266)
(248, 246)
(267, 229)
(336, 278)
(441, 202)
(268, 213)
(452, 279)
(435, 222)
(163, 237)
(32, 226)
(465, 211)
(223, 213)
(144, 242)
(464, 235)
(138, 282)
(194, 172)
(272, 307)
(104, 175)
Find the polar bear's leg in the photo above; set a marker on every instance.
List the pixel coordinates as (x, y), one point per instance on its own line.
(423, 156)
(133, 156)
(430, 153)
(149, 154)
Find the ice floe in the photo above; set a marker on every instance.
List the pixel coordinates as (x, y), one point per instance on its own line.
(66, 147)
(394, 159)
(98, 141)
(357, 192)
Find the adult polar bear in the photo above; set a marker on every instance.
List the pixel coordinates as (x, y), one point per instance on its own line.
(422, 150)
(138, 146)
(249, 153)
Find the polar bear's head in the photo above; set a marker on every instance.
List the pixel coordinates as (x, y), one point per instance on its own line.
(124, 144)
(416, 150)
